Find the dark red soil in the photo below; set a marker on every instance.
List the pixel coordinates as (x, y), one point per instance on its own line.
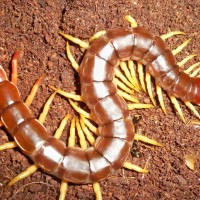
(34, 25)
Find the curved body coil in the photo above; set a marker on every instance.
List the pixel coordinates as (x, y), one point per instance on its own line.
(109, 110)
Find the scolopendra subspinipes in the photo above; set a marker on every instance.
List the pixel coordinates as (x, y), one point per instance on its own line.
(116, 131)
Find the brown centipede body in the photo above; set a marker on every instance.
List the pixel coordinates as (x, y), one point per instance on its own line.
(108, 109)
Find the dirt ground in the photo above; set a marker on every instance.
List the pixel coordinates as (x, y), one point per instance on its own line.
(34, 26)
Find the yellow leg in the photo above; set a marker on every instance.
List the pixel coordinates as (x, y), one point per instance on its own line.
(136, 168)
(124, 68)
(33, 92)
(122, 86)
(86, 131)
(80, 110)
(170, 34)
(90, 125)
(195, 72)
(127, 96)
(8, 145)
(63, 190)
(71, 141)
(195, 122)
(67, 94)
(133, 74)
(192, 67)
(141, 75)
(131, 20)
(60, 129)
(181, 47)
(75, 65)
(145, 139)
(185, 60)
(160, 98)
(97, 35)
(97, 190)
(149, 88)
(75, 40)
(192, 108)
(26, 173)
(139, 106)
(177, 107)
(123, 78)
(45, 111)
(81, 136)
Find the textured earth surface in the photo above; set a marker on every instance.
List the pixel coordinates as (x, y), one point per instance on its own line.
(34, 26)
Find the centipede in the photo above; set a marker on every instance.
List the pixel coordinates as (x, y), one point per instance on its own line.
(109, 110)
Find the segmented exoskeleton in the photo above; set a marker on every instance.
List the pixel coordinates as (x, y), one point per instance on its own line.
(108, 109)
